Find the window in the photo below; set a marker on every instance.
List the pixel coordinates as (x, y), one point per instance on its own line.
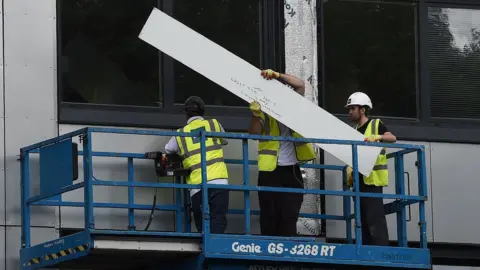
(370, 47)
(454, 62)
(104, 62)
(234, 25)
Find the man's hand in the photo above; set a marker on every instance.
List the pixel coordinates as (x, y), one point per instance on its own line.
(256, 108)
(373, 138)
(270, 74)
(349, 176)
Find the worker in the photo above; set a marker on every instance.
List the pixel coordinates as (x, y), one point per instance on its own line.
(189, 149)
(372, 215)
(278, 165)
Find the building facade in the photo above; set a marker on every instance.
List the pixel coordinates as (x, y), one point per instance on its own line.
(67, 64)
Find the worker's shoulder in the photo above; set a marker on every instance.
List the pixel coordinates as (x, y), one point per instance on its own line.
(212, 119)
(382, 128)
(380, 121)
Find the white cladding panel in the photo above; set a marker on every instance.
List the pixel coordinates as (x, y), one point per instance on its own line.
(3, 245)
(38, 236)
(2, 130)
(30, 95)
(455, 192)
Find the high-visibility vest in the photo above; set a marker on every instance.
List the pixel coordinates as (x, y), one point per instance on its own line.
(379, 174)
(268, 150)
(190, 152)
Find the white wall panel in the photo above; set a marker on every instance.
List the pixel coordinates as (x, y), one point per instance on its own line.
(2, 248)
(38, 235)
(334, 204)
(455, 192)
(116, 169)
(30, 94)
(2, 129)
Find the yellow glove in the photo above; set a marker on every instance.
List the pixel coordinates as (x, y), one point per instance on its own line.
(373, 138)
(270, 74)
(349, 176)
(256, 108)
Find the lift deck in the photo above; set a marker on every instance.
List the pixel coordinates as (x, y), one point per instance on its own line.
(90, 248)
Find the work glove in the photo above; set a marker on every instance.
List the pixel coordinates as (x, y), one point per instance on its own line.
(349, 176)
(256, 108)
(373, 138)
(270, 74)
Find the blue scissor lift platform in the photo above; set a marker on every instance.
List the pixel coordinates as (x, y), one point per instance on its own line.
(90, 248)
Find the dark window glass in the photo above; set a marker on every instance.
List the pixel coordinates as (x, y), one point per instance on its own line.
(232, 24)
(454, 62)
(370, 47)
(103, 61)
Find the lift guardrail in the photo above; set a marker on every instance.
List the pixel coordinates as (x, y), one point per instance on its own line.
(57, 172)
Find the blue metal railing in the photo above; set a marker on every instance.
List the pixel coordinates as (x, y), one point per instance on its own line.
(89, 180)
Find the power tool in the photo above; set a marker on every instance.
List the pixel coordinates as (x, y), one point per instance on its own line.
(167, 164)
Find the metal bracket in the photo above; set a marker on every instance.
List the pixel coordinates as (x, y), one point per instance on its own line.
(82, 138)
(408, 192)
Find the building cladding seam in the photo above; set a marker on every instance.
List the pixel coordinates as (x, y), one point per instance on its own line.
(301, 61)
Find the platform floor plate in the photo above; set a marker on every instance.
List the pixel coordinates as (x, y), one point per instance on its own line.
(249, 248)
(142, 244)
(97, 251)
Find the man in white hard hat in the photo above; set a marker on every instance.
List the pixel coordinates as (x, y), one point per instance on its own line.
(372, 215)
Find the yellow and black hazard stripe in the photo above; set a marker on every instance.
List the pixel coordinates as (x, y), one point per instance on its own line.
(66, 252)
(33, 261)
(61, 253)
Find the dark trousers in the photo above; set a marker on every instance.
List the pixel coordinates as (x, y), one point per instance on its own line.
(279, 211)
(218, 204)
(372, 215)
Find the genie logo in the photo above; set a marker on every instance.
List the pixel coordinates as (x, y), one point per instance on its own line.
(251, 248)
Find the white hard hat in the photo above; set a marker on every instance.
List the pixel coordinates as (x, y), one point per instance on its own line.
(360, 99)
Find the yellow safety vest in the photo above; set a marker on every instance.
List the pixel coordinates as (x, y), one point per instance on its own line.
(268, 150)
(379, 174)
(190, 152)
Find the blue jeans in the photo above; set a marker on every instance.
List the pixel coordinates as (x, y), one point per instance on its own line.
(218, 204)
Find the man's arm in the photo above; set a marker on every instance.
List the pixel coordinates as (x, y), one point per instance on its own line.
(172, 146)
(387, 136)
(255, 127)
(297, 84)
(222, 140)
(256, 123)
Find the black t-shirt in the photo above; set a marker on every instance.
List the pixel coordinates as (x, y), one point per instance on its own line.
(382, 129)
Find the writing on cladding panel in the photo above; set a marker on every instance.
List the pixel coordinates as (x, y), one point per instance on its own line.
(255, 93)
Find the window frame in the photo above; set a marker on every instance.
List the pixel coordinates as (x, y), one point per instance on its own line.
(168, 115)
(424, 128)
